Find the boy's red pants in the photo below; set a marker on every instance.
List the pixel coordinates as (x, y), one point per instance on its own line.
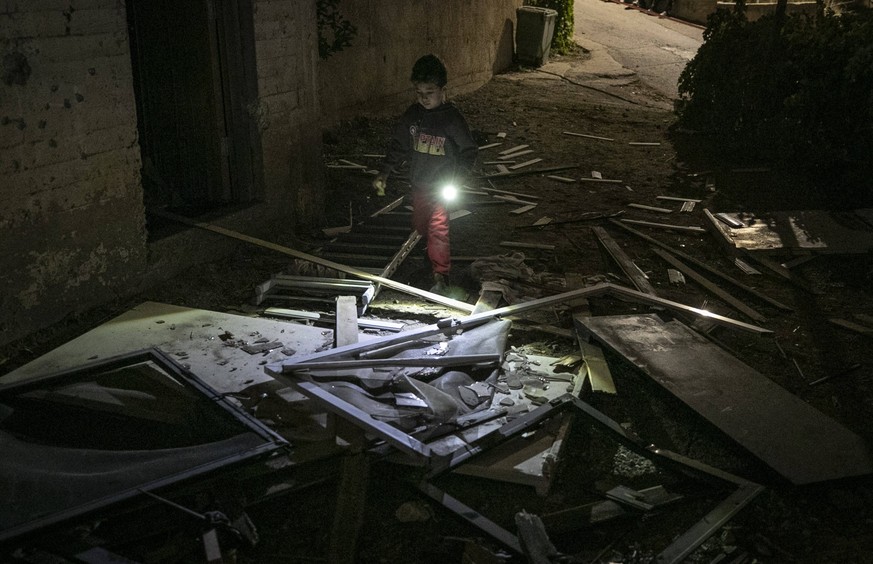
(431, 220)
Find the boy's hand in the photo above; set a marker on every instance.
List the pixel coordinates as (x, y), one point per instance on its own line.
(379, 184)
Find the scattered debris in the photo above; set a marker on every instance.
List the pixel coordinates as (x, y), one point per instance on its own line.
(675, 277)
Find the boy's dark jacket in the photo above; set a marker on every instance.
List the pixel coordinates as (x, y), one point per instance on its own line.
(437, 144)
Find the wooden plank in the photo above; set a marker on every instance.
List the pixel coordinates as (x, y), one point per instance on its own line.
(346, 332)
(675, 199)
(588, 136)
(524, 164)
(700, 264)
(563, 179)
(602, 180)
(650, 208)
(631, 271)
(523, 209)
(599, 375)
(779, 428)
(746, 267)
(488, 300)
(513, 149)
(387, 282)
(517, 154)
(710, 287)
(851, 326)
(490, 145)
(691, 229)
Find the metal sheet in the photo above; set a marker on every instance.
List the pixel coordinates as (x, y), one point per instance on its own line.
(84, 439)
(793, 438)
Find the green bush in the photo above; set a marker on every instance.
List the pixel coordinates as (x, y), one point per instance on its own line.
(562, 41)
(796, 91)
(335, 32)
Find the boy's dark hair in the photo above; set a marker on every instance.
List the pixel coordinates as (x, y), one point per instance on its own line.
(429, 69)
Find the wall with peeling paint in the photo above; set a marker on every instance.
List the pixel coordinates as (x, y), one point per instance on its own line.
(73, 230)
(474, 39)
(72, 219)
(286, 46)
(72, 223)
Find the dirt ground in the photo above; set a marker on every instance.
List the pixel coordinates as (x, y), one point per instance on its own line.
(823, 523)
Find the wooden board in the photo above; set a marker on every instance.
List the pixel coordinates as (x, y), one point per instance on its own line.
(634, 274)
(799, 442)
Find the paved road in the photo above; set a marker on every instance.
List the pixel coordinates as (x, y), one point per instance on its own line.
(656, 49)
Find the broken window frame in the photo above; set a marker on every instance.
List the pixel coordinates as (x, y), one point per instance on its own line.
(272, 442)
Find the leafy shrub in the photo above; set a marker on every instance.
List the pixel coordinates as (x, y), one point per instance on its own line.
(793, 90)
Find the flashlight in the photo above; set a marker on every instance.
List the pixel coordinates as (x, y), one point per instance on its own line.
(449, 192)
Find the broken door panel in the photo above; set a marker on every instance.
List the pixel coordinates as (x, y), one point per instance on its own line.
(779, 428)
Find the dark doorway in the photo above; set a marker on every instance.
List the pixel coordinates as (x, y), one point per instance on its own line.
(195, 82)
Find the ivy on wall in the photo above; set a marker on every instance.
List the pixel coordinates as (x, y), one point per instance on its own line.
(335, 32)
(562, 41)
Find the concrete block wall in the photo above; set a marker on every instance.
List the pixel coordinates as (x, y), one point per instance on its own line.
(72, 218)
(695, 11)
(72, 225)
(474, 39)
(286, 46)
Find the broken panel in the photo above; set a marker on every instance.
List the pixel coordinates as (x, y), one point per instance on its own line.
(83, 439)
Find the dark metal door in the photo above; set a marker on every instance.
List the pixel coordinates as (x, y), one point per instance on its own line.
(190, 87)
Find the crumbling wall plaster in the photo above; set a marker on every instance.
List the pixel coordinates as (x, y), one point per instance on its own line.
(72, 231)
(286, 46)
(474, 39)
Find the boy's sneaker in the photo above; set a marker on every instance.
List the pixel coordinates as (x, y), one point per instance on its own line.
(440, 284)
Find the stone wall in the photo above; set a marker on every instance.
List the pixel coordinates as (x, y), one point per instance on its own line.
(73, 229)
(72, 224)
(286, 46)
(474, 40)
(697, 11)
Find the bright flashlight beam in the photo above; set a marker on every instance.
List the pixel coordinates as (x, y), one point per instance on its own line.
(450, 192)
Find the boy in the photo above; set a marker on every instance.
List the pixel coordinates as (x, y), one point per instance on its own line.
(433, 136)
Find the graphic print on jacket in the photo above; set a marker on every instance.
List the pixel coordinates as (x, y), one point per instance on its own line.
(426, 143)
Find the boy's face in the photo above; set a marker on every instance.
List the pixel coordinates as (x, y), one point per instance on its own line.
(429, 95)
